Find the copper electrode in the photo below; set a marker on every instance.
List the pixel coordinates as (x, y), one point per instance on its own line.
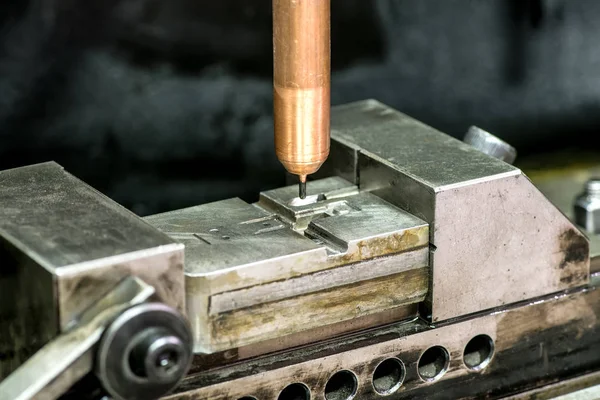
(301, 84)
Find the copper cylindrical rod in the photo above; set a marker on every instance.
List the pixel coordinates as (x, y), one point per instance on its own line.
(301, 84)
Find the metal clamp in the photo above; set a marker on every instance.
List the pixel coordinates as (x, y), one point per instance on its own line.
(144, 353)
(132, 336)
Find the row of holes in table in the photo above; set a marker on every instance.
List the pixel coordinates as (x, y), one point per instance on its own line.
(389, 374)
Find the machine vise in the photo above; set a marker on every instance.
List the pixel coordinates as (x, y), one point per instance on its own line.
(417, 266)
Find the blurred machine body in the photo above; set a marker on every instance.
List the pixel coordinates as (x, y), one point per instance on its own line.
(417, 266)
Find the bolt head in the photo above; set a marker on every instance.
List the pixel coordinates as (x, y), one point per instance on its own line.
(165, 358)
(587, 212)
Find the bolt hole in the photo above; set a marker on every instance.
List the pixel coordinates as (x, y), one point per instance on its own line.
(266, 224)
(388, 376)
(433, 363)
(225, 237)
(341, 386)
(478, 352)
(295, 391)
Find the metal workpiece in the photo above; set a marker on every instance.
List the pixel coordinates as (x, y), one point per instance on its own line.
(252, 274)
(327, 196)
(144, 353)
(301, 84)
(58, 365)
(496, 239)
(490, 144)
(587, 207)
(78, 244)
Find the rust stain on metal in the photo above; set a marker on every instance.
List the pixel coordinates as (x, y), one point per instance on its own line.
(389, 244)
(575, 249)
(529, 321)
(205, 362)
(266, 321)
(409, 240)
(386, 245)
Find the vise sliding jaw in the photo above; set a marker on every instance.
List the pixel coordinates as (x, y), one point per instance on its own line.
(407, 234)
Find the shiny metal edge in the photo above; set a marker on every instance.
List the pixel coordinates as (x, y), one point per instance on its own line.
(118, 259)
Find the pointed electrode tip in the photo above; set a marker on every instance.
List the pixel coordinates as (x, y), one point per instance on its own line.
(302, 187)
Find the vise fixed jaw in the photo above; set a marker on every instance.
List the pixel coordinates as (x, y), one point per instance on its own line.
(495, 238)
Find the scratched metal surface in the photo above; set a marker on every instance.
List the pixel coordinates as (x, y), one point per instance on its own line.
(62, 246)
(61, 221)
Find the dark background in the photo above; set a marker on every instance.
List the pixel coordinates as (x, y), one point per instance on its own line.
(162, 104)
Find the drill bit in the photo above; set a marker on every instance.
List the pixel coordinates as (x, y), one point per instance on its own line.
(301, 85)
(302, 187)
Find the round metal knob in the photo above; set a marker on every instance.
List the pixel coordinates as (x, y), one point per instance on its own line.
(490, 145)
(157, 355)
(144, 353)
